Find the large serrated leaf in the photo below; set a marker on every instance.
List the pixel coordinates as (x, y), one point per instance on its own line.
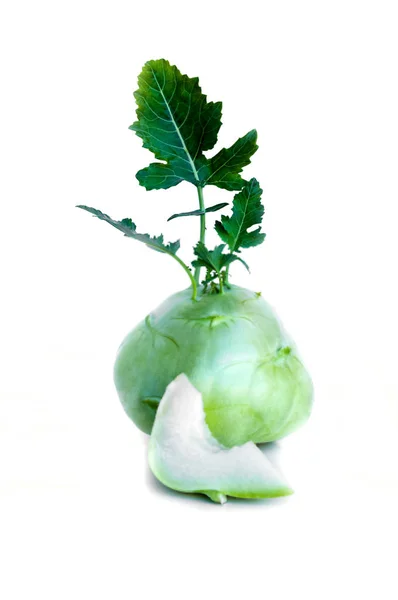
(225, 167)
(247, 211)
(127, 227)
(175, 122)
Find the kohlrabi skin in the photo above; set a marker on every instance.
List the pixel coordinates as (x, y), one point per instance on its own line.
(235, 352)
(184, 455)
(226, 339)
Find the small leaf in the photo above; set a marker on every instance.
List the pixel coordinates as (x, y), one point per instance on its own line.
(176, 123)
(195, 213)
(233, 257)
(225, 167)
(127, 227)
(213, 260)
(247, 211)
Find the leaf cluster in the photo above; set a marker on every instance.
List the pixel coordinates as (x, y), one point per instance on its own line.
(177, 123)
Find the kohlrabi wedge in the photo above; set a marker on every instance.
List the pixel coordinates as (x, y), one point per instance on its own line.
(247, 379)
(184, 455)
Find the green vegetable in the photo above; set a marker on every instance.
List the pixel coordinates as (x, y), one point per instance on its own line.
(234, 351)
(184, 455)
(227, 340)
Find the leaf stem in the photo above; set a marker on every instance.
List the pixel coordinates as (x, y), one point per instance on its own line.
(202, 226)
(202, 216)
(221, 282)
(188, 272)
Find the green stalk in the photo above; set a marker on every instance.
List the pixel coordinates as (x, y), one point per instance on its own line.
(202, 226)
(221, 282)
(188, 272)
(203, 216)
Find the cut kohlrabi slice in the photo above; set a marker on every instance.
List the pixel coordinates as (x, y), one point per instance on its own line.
(185, 456)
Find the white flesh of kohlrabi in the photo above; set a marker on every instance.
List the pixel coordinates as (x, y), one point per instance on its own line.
(185, 456)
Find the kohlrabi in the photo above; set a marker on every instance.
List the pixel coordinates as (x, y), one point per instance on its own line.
(226, 340)
(186, 457)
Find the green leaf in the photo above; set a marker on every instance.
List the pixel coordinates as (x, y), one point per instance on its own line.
(225, 167)
(195, 213)
(247, 211)
(127, 227)
(158, 176)
(213, 260)
(176, 123)
(234, 257)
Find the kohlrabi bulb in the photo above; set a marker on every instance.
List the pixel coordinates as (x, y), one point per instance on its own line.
(234, 351)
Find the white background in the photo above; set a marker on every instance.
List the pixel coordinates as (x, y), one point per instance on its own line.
(80, 515)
